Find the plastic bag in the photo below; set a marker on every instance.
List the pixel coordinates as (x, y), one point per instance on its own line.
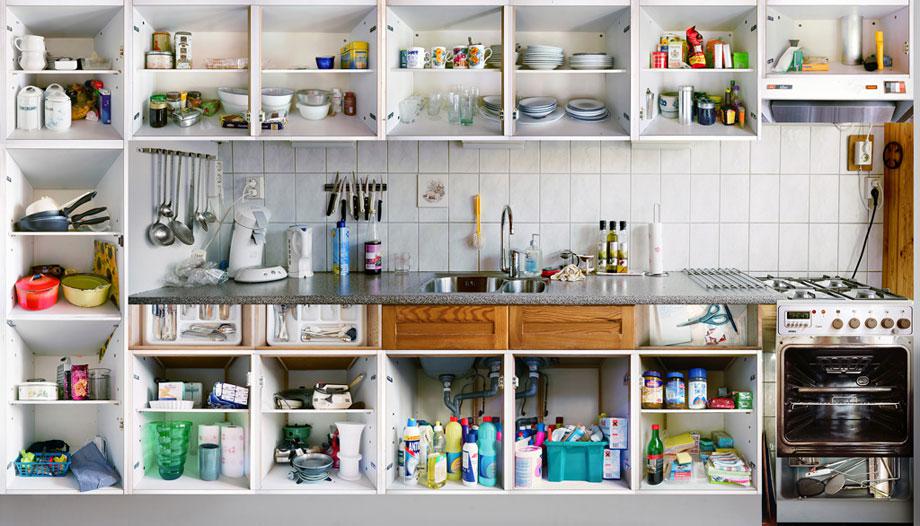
(195, 271)
(697, 58)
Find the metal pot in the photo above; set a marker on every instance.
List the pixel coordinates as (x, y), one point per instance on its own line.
(86, 290)
(60, 220)
(37, 292)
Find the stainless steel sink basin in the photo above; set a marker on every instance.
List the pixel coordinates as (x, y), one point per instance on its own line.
(483, 284)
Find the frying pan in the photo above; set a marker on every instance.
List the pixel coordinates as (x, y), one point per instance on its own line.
(59, 223)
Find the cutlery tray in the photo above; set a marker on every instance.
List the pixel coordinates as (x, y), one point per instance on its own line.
(317, 318)
(165, 324)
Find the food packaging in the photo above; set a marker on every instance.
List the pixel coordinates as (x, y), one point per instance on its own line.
(611, 469)
(696, 58)
(159, 60)
(354, 55)
(37, 292)
(193, 393)
(79, 382)
(677, 50)
(528, 465)
(37, 390)
(232, 451)
(721, 403)
(170, 390)
(208, 434)
(744, 400)
(616, 429)
(64, 64)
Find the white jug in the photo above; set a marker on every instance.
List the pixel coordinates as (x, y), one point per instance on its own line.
(30, 43)
(57, 112)
(32, 60)
(29, 109)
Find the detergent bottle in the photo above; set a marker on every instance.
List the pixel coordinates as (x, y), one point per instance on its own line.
(470, 460)
(454, 434)
(410, 459)
(486, 444)
(437, 459)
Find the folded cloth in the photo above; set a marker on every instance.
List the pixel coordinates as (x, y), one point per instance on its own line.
(91, 469)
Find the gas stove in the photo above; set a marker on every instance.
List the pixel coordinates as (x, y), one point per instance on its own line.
(838, 306)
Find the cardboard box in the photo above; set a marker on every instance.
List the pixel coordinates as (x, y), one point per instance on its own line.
(616, 430)
(612, 464)
(170, 391)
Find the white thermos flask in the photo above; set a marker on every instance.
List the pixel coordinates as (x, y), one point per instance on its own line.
(655, 249)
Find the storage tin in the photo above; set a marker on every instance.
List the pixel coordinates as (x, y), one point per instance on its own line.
(159, 60)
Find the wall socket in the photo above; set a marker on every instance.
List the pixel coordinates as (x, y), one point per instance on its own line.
(870, 183)
(862, 153)
(255, 188)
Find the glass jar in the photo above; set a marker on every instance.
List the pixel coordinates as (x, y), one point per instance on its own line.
(194, 99)
(350, 104)
(675, 391)
(99, 383)
(697, 389)
(652, 390)
(173, 101)
(706, 113)
(157, 113)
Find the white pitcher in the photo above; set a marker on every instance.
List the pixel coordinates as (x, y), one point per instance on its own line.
(57, 112)
(32, 43)
(29, 109)
(32, 60)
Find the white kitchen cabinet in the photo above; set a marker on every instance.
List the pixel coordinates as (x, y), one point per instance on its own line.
(147, 367)
(74, 30)
(603, 27)
(428, 24)
(730, 21)
(30, 354)
(737, 370)
(292, 38)
(414, 391)
(282, 370)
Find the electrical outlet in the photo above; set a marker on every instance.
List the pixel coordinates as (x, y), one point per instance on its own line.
(255, 188)
(870, 183)
(862, 154)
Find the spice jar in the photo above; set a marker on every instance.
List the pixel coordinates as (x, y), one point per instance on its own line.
(350, 105)
(675, 391)
(697, 389)
(193, 100)
(706, 113)
(173, 101)
(157, 114)
(652, 390)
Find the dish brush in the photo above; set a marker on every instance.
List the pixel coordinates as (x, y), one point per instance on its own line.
(476, 240)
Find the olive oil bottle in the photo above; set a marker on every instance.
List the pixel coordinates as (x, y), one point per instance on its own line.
(613, 247)
(602, 248)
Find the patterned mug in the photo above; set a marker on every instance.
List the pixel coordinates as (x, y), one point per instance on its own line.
(459, 57)
(477, 55)
(439, 57)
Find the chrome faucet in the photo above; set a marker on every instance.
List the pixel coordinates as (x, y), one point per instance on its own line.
(507, 261)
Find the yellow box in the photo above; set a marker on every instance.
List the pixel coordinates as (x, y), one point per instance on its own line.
(354, 55)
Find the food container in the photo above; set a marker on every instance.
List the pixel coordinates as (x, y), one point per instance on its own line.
(79, 382)
(186, 117)
(312, 97)
(667, 105)
(234, 100)
(159, 60)
(157, 115)
(706, 113)
(160, 42)
(675, 391)
(313, 113)
(37, 292)
(226, 63)
(354, 55)
(86, 290)
(194, 99)
(277, 100)
(57, 112)
(37, 389)
(171, 404)
(210, 107)
(582, 461)
(64, 64)
(99, 383)
(652, 390)
(29, 109)
(659, 60)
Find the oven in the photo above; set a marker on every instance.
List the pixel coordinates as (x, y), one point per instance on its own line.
(844, 396)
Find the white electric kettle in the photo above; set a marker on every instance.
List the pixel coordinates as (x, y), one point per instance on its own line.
(300, 251)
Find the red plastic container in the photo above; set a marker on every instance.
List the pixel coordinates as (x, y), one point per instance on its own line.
(37, 292)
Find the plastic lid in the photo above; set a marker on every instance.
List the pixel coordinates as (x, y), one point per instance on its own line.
(464, 421)
(655, 427)
(487, 419)
(340, 223)
(622, 225)
(411, 423)
(697, 373)
(656, 374)
(603, 225)
(437, 423)
(675, 374)
(453, 419)
(496, 419)
(541, 426)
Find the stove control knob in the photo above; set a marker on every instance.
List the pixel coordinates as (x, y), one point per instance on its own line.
(871, 323)
(837, 323)
(903, 324)
(854, 323)
(887, 323)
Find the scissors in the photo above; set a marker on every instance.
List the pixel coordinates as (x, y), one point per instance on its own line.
(714, 316)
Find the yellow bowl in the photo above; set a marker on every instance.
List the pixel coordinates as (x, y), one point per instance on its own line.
(86, 290)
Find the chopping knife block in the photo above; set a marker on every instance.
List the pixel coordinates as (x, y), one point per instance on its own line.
(898, 246)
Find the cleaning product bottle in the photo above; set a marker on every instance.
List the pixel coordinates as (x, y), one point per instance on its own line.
(540, 436)
(465, 427)
(496, 421)
(533, 257)
(454, 435)
(425, 434)
(486, 443)
(470, 460)
(437, 460)
(340, 260)
(411, 439)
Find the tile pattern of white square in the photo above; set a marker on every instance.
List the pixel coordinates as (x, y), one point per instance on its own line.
(784, 204)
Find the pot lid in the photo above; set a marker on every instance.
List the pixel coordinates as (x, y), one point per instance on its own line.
(37, 283)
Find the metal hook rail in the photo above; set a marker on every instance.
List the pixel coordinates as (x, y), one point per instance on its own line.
(178, 153)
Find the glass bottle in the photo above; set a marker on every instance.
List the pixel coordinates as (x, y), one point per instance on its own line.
(437, 459)
(602, 248)
(612, 247)
(655, 458)
(622, 261)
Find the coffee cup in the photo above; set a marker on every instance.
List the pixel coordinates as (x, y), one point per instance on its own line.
(458, 56)
(417, 58)
(439, 57)
(477, 55)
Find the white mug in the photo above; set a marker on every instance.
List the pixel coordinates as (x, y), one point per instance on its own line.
(417, 58)
(32, 60)
(29, 43)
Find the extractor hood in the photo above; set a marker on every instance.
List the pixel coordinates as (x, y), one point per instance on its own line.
(837, 111)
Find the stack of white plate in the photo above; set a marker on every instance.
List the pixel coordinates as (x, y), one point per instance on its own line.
(586, 110)
(543, 57)
(591, 61)
(537, 107)
(495, 60)
(491, 107)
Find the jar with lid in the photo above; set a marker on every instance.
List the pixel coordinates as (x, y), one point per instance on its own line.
(697, 389)
(193, 99)
(652, 390)
(706, 113)
(675, 391)
(336, 102)
(157, 114)
(173, 101)
(350, 105)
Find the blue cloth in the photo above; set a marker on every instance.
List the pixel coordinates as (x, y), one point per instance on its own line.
(91, 469)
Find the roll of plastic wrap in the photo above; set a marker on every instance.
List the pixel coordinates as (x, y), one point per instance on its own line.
(209, 434)
(232, 451)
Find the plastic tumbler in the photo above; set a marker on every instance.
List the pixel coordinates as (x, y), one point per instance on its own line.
(208, 461)
(172, 448)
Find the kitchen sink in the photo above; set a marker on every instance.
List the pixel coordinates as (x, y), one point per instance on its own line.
(483, 284)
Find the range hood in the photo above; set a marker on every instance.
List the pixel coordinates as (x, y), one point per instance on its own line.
(837, 111)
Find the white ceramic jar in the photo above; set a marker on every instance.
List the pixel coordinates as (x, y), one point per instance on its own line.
(57, 112)
(29, 109)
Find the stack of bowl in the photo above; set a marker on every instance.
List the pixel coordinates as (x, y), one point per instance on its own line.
(310, 468)
(277, 101)
(313, 104)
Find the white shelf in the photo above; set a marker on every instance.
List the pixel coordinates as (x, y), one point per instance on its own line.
(152, 483)
(331, 128)
(64, 402)
(691, 71)
(439, 129)
(838, 69)
(567, 71)
(697, 411)
(699, 485)
(64, 311)
(567, 127)
(206, 410)
(66, 485)
(447, 71)
(314, 71)
(452, 487)
(606, 487)
(84, 131)
(277, 481)
(207, 129)
(662, 129)
(195, 71)
(65, 72)
(65, 234)
(319, 411)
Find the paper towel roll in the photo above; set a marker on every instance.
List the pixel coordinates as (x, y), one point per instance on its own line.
(209, 434)
(655, 250)
(232, 451)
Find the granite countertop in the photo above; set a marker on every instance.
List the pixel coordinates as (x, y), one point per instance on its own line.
(391, 288)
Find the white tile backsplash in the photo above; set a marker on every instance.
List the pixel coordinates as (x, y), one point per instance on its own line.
(774, 205)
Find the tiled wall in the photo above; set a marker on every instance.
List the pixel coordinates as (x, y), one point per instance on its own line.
(785, 204)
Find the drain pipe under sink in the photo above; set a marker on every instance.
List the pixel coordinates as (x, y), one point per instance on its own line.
(495, 365)
(533, 378)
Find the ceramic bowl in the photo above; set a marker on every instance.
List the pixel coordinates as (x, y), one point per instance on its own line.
(313, 113)
(234, 100)
(325, 62)
(276, 99)
(86, 290)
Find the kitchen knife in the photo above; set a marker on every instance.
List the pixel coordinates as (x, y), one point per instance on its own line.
(330, 208)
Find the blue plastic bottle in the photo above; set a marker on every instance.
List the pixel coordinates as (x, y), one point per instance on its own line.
(340, 257)
(487, 460)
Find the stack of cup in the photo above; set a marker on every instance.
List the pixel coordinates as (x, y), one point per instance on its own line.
(32, 52)
(349, 445)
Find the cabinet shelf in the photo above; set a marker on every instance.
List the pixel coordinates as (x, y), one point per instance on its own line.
(88, 72)
(64, 402)
(277, 481)
(606, 487)
(65, 234)
(194, 71)
(331, 128)
(568, 71)
(319, 411)
(567, 127)
(691, 71)
(447, 71)
(662, 129)
(64, 311)
(452, 487)
(698, 486)
(439, 129)
(205, 410)
(697, 411)
(186, 484)
(82, 131)
(66, 485)
(309, 71)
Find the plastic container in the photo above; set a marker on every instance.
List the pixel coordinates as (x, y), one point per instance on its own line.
(42, 466)
(582, 461)
(697, 389)
(454, 436)
(528, 466)
(354, 55)
(488, 466)
(652, 390)
(675, 391)
(37, 390)
(411, 456)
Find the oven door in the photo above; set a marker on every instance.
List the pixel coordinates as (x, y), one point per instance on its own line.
(847, 400)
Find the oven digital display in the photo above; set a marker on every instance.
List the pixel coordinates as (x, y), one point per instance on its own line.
(798, 315)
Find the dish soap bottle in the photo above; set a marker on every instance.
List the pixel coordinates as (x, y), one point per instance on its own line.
(533, 258)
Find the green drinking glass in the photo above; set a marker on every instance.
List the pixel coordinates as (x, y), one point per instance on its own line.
(172, 448)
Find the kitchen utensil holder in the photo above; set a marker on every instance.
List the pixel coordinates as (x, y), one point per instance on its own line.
(189, 315)
(301, 317)
(178, 153)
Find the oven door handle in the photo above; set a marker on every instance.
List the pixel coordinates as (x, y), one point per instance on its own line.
(843, 390)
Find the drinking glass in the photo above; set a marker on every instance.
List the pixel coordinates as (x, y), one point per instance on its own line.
(208, 461)
(453, 104)
(434, 104)
(172, 447)
(468, 101)
(408, 109)
(402, 262)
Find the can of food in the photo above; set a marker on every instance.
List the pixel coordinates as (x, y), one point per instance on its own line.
(403, 58)
(105, 106)
(159, 60)
(659, 60)
(160, 41)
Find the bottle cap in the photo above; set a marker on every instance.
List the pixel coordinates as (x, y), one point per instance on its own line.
(464, 421)
(622, 225)
(603, 225)
(487, 419)
(453, 419)
(496, 420)
(697, 373)
(410, 423)
(655, 427)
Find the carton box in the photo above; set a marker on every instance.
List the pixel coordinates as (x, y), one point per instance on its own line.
(616, 430)
(612, 464)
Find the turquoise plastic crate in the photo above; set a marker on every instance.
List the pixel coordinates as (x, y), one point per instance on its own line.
(575, 461)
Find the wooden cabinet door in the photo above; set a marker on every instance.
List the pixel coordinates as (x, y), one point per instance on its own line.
(571, 327)
(425, 327)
